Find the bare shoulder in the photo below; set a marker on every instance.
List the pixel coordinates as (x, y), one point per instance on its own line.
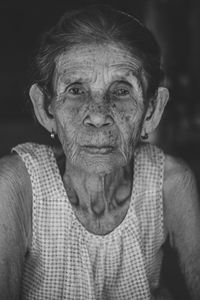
(176, 168)
(178, 178)
(14, 176)
(15, 223)
(15, 197)
(182, 220)
(181, 199)
(177, 174)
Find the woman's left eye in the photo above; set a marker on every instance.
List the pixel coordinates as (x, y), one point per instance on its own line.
(121, 92)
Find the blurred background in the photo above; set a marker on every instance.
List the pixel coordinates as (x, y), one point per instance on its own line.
(176, 25)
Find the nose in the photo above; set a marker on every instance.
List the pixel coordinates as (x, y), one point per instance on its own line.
(98, 120)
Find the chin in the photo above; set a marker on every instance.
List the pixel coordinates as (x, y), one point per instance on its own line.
(100, 164)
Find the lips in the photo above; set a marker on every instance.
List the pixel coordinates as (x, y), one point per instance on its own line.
(98, 149)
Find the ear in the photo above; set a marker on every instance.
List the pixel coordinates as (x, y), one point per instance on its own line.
(37, 98)
(155, 110)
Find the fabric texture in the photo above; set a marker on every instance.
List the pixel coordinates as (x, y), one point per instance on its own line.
(65, 261)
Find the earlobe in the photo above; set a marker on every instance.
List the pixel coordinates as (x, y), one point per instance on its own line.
(37, 98)
(155, 111)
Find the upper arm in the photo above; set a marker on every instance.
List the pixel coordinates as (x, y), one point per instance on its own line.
(15, 212)
(182, 220)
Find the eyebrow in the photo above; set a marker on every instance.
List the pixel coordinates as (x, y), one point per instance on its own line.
(126, 77)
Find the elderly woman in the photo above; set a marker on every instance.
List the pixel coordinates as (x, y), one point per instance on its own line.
(92, 226)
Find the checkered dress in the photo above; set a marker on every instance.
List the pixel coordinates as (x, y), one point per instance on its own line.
(66, 261)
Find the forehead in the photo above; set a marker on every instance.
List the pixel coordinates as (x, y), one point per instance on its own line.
(96, 57)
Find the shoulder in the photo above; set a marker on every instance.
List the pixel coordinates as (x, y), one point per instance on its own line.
(178, 176)
(15, 226)
(13, 174)
(176, 173)
(182, 220)
(181, 199)
(15, 196)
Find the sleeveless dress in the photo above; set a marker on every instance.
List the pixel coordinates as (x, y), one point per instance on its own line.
(65, 261)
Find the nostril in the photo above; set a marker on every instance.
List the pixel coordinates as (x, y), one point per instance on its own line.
(98, 120)
(107, 124)
(108, 121)
(89, 124)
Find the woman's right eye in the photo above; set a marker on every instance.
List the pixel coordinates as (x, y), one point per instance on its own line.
(75, 90)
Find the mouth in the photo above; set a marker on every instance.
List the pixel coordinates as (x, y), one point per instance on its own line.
(98, 149)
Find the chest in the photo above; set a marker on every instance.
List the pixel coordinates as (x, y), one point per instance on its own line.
(104, 224)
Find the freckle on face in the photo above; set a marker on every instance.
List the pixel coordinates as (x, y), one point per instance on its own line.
(97, 68)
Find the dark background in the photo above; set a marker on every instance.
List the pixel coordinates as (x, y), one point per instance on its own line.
(175, 23)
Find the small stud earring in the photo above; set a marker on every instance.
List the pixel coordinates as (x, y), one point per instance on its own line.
(52, 135)
(145, 136)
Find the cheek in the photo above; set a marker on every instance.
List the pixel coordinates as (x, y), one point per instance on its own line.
(66, 110)
(67, 120)
(129, 117)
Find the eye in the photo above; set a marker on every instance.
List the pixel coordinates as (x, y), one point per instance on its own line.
(120, 92)
(76, 90)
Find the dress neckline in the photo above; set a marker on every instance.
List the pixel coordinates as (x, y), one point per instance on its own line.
(119, 227)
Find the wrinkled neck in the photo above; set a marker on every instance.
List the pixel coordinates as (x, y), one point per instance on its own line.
(98, 194)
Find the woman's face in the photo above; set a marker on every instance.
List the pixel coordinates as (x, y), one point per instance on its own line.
(98, 106)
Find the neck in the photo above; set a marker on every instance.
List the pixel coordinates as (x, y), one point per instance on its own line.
(98, 194)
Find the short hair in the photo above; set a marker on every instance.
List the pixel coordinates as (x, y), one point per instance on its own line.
(100, 24)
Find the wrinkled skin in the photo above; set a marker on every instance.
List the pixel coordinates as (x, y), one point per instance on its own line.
(99, 102)
(98, 112)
